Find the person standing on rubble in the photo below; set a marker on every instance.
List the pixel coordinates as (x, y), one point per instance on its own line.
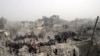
(35, 46)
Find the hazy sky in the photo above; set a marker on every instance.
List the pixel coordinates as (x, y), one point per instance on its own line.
(34, 9)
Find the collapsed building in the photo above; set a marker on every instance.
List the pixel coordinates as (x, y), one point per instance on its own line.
(48, 37)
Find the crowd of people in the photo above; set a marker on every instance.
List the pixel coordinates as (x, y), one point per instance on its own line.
(34, 45)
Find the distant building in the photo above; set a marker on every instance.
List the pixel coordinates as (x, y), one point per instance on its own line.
(2, 22)
(27, 24)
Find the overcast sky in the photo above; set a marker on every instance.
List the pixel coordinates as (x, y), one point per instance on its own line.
(34, 9)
